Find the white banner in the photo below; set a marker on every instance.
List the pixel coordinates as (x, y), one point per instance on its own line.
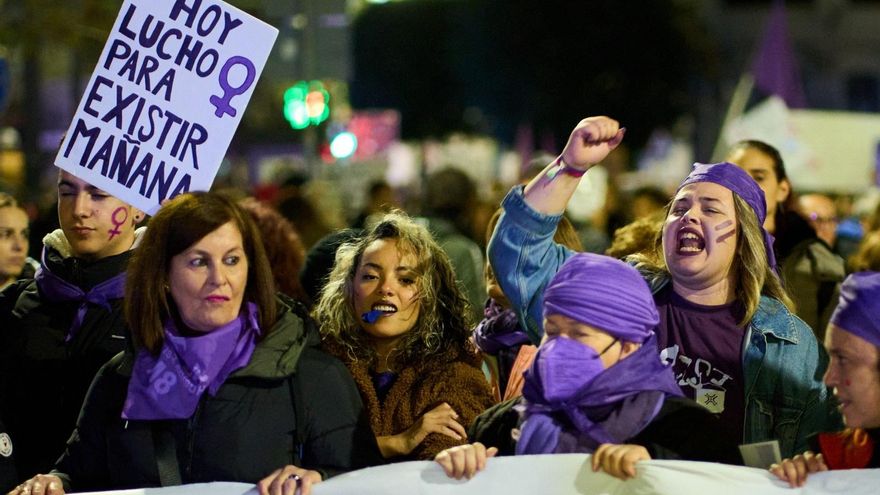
(562, 474)
(165, 98)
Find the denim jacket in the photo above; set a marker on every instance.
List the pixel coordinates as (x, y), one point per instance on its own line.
(783, 363)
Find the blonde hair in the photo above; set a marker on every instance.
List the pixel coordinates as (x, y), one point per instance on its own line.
(867, 258)
(752, 274)
(443, 324)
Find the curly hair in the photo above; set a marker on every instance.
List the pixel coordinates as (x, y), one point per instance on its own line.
(752, 271)
(443, 325)
(283, 246)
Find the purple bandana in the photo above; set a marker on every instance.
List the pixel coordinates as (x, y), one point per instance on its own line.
(56, 289)
(498, 330)
(605, 293)
(739, 181)
(612, 408)
(169, 386)
(858, 311)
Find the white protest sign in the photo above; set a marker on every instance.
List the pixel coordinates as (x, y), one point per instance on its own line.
(165, 98)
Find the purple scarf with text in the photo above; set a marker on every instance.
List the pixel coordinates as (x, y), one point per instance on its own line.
(170, 385)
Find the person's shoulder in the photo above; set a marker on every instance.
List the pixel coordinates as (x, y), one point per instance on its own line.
(772, 314)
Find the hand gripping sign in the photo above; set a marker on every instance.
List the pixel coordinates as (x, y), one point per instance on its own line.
(165, 98)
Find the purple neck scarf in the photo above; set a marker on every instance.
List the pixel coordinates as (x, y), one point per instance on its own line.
(499, 329)
(618, 404)
(859, 306)
(56, 289)
(169, 386)
(739, 181)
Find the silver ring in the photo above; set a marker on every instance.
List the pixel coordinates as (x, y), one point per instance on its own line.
(296, 478)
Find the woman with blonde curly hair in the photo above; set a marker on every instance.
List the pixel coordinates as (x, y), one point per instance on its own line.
(394, 313)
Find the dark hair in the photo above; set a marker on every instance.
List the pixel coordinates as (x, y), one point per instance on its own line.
(770, 151)
(450, 193)
(179, 224)
(283, 246)
(442, 327)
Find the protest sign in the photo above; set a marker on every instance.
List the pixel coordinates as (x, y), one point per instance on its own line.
(165, 98)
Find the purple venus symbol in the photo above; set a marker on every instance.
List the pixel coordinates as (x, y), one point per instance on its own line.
(221, 103)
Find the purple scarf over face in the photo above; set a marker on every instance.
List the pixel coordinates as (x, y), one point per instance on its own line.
(169, 386)
(612, 408)
(739, 181)
(858, 311)
(499, 329)
(56, 289)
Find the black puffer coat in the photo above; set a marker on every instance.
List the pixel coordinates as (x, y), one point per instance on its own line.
(242, 434)
(43, 379)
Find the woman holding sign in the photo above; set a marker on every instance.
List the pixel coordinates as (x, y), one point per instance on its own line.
(225, 381)
(394, 313)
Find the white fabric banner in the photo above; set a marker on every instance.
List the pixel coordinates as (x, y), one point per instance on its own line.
(561, 474)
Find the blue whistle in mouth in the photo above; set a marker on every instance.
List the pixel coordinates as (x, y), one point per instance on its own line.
(371, 316)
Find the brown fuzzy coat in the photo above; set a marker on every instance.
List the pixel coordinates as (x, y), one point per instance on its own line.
(456, 380)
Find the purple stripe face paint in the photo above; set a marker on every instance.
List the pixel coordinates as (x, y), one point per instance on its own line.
(371, 316)
(727, 235)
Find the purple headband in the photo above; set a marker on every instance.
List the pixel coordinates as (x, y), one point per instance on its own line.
(858, 311)
(605, 293)
(739, 181)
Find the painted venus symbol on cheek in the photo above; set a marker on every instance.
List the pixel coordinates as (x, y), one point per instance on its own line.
(118, 223)
(726, 235)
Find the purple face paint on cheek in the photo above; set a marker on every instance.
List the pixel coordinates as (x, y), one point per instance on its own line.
(727, 235)
(117, 221)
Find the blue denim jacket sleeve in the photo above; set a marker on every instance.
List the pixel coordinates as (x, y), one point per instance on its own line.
(783, 366)
(525, 258)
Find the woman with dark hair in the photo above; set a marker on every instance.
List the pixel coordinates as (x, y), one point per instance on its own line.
(393, 312)
(224, 383)
(811, 272)
(725, 320)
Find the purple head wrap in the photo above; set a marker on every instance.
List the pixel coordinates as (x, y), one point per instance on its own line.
(858, 311)
(603, 292)
(739, 181)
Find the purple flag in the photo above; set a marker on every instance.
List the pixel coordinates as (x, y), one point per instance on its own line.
(774, 67)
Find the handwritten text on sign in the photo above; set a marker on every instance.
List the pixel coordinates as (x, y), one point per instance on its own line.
(165, 98)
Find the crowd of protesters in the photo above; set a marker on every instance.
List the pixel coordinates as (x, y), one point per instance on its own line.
(231, 339)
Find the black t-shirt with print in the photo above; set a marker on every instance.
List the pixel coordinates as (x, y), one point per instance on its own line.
(706, 343)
